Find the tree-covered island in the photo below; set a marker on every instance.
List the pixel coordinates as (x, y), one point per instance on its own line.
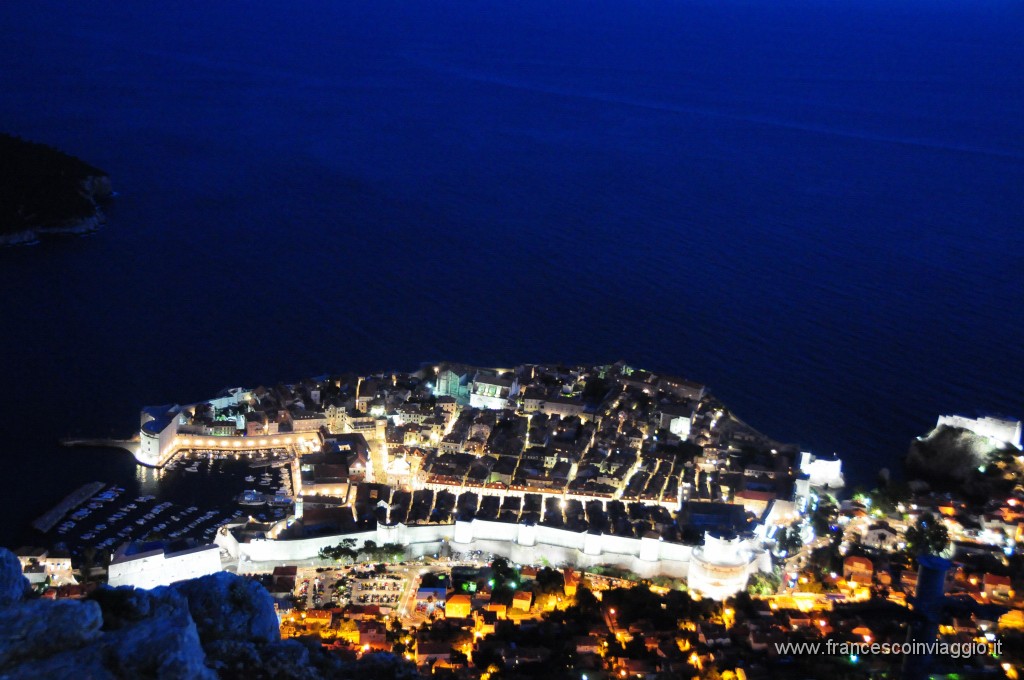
(45, 191)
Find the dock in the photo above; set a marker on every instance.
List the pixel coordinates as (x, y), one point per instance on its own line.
(49, 519)
(129, 445)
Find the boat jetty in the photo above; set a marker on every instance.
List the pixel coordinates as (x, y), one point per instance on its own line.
(49, 519)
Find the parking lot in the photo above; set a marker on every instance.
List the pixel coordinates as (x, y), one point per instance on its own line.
(362, 584)
(323, 588)
(380, 589)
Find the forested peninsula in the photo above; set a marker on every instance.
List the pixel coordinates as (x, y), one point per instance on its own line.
(44, 191)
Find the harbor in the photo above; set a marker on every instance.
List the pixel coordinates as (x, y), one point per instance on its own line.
(186, 501)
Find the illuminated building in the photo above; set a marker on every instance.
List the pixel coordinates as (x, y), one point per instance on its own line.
(722, 566)
(827, 473)
(491, 391)
(149, 565)
(1002, 430)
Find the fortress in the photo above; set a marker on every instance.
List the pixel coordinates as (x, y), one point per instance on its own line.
(575, 465)
(166, 430)
(1002, 430)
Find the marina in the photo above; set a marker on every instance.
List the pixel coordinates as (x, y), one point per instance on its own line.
(192, 496)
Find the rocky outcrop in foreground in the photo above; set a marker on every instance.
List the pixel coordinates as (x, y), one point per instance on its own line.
(218, 626)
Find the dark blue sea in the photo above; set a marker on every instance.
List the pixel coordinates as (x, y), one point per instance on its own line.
(814, 206)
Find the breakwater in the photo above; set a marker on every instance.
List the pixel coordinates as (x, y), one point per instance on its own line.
(129, 445)
(47, 520)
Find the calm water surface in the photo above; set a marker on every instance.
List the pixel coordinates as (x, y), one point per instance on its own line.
(815, 207)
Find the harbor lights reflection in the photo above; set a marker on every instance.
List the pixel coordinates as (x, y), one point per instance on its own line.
(148, 479)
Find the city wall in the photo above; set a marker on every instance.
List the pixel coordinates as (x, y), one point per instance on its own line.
(522, 543)
(156, 449)
(157, 568)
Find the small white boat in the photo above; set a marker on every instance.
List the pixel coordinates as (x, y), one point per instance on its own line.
(251, 497)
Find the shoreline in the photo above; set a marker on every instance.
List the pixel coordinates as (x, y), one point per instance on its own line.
(94, 186)
(35, 235)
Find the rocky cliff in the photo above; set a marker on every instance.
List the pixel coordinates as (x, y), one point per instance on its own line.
(953, 458)
(218, 626)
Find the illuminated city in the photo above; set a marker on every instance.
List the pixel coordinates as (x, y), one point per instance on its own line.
(531, 340)
(452, 514)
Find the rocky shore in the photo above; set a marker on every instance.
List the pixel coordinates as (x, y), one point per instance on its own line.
(30, 237)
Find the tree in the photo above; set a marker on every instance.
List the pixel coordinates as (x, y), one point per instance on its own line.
(369, 549)
(585, 601)
(887, 497)
(811, 586)
(395, 627)
(928, 536)
(344, 550)
(550, 582)
(743, 606)
(40, 186)
(504, 581)
(392, 552)
(504, 574)
(825, 516)
(826, 559)
(763, 584)
(789, 541)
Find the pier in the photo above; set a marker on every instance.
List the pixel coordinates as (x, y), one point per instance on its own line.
(49, 519)
(129, 445)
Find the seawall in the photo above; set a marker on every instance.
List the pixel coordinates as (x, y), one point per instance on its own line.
(50, 518)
